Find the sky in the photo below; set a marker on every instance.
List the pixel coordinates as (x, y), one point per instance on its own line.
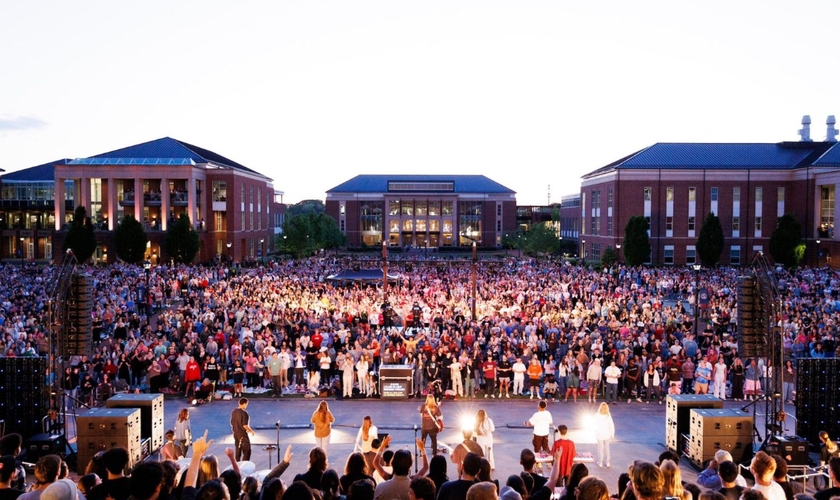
(532, 94)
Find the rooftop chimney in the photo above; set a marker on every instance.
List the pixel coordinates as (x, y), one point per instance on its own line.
(805, 131)
(831, 132)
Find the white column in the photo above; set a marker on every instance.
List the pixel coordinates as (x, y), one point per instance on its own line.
(191, 199)
(60, 194)
(164, 203)
(112, 204)
(138, 200)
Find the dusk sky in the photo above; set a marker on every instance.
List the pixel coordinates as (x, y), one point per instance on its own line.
(532, 94)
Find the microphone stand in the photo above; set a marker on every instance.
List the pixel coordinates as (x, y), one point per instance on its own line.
(416, 453)
(278, 440)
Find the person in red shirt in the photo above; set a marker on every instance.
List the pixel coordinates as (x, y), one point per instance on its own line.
(567, 456)
(192, 375)
(317, 338)
(489, 369)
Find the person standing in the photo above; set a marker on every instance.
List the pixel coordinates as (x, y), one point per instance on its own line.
(688, 376)
(604, 432)
(484, 429)
(275, 368)
(519, 370)
(455, 376)
(431, 421)
(719, 376)
(788, 382)
(347, 368)
(489, 369)
(593, 379)
(183, 433)
(364, 440)
(239, 424)
(541, 421)
(631, 380)
(737, 379)
(505, 374)
(651, 383)
(702, 376)
(468, 375)
(323, 419)
(535, 372)
(612, 374)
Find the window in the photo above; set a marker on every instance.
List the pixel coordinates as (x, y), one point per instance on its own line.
(434, 208)
(736, 194)
(434, 225)
(759, 192)
(499, 210)
(408, 208)
(648, 192)
(448, 208)
(407, 225)
(420, 225)
(690, 255)
(498, 226)
(691, 222)
(780, 195)
(714, 194)
(420, 208)
(692, 194)
(758, 224)
(669, 194)
(735, 256)
(610, 198)
(342, 208)
(669, 223)
(736, 224)
(219, 191)
(668, 257)
(826, 211)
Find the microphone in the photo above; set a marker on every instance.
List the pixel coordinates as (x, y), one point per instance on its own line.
(277, 424)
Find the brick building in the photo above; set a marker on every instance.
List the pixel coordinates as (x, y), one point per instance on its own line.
(422, 211)
(748, 186)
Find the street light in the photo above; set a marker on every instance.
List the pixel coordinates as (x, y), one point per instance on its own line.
(696, 298)
(147, 266)
(228, 244)
(262, 240)
(818, 252)
(618, 251)
(583, 250)
(21, 251)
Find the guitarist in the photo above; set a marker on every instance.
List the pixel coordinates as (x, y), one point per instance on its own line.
(431, 421)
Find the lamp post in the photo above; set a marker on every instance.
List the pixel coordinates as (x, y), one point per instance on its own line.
(21, 251)
(818, 252)
(384, 271)
(474, 266)
(228, 245)
(618, 252)
(147, 266)
(262, 240)
(583, 250)
(696, 298)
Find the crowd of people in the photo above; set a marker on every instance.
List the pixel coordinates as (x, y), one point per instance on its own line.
(543, 329)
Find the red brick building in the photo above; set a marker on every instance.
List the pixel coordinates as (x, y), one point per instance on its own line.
(748, 186)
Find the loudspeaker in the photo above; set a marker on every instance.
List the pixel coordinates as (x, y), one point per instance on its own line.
(77, 337)
(24, 396)
(817, 398)
(752, 318)
(793, 449)
(151, 414)
(678, 415)
(40, 445)
(105, 428)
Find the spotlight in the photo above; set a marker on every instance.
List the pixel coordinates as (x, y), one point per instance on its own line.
(467, 423)
(194, 402)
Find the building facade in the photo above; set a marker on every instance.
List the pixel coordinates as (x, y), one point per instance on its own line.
(748, 186)
(231, 206)
(422, 211)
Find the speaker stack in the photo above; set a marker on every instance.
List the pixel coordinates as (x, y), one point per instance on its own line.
(151, 416)
(24, 397)
(101, 429)
(752, 322)
(817, 398)
(719, 429)
(678, 417)
(77, 338)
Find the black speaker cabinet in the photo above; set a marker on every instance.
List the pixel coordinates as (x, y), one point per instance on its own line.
(794, 449)
(677, 415)
(817, 398)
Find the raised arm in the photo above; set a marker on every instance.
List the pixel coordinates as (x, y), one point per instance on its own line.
(424, 469)
(200, 447)
(377, 460)
(280, 468)
(233, 463)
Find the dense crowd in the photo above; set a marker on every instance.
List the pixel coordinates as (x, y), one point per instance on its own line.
(544, 329)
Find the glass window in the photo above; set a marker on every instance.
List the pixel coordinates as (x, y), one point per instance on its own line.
(758, 223)
(407, 225)
(610, 198)
(669, 255)
(434, 208)
(407, 208)
(669, 194)
(669, 223)
(648, 192)
(759, 192)
(219, 191)
(691, 222)
(826, 211)
(690, 255)
(434, 225)
(692, 194)
(420, 225)
(395, 226)
(735, 256)
(736, 194)
(736, 223)
(780, 194)
(714, 194)
(371, 216)
(393, 207)
(447, 208)
(420, 207)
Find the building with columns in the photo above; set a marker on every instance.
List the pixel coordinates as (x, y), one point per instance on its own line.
(423, 211)
(749, 186)
(231, 206)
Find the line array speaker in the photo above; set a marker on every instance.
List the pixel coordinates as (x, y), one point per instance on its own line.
(77, 338)
(752, 318)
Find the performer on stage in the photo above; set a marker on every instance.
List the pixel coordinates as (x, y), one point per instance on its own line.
(432, 422)
(239, 420)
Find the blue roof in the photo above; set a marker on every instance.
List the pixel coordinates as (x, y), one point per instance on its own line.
(722, 156)
(830, 158)
(45, 172)
(461, 183)
(166, 151)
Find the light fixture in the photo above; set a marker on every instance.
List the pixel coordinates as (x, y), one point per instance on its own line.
(696, 267)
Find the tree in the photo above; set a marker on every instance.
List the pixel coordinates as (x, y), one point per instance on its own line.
(636, 243)
(81, 238)
(305, 207)
(542, 239)
(710, 241)
(131, 240)
(785, 240)
(181, 242)
(305, 233)
(609, 257)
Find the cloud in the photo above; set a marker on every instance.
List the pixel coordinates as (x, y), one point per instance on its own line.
(20, 123)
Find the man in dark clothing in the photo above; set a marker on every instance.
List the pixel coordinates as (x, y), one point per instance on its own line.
(528, 461)
(728, 473)
(118, 485)
(457, 489)
(834, 474)
(239, 420)
(466, 446)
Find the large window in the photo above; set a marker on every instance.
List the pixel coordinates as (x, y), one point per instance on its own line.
(393, 207)
(648, 192)
(434, 209)
(407, 208)
(669, 193)
(736, 194)
(714, 194)
(219, 191)
(692, 194)
(735, 255)
(691, 222)
(371, 221)
(668, 257)
(826, 211)
(469, 221)
(736, 223)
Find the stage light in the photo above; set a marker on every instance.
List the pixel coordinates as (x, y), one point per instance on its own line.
(467, 423)
(194, 402)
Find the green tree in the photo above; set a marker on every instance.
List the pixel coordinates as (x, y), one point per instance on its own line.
(636, 244)
(181, 242)
(542, 239)
(609, 257)
(81, 238)
(710, 241)
(785, 241)
(305, 233)
(305, 207)
(131, 240)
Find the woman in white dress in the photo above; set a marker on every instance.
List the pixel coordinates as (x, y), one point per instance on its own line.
(604, 431)
(484, 429)
(363, 368)
(367, 433)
